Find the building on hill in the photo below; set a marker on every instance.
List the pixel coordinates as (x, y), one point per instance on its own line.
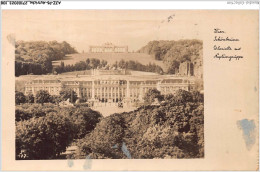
(108, 48)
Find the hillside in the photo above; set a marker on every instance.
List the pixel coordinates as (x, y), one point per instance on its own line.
(35, 57)
(172, 53)
(111, 58)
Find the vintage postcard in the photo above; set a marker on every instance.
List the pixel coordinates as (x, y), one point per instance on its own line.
(130, 89)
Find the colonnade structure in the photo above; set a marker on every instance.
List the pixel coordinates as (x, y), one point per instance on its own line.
(110, 88)
(108, 48)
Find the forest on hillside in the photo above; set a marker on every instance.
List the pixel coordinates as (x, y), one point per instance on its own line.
(35, 57)
(172, 53)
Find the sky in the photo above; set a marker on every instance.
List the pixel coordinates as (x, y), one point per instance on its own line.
(82, 28)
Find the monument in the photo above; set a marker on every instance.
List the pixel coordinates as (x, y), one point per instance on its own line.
(108, 48)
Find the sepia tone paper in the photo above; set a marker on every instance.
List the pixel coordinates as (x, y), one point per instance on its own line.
(230, 85)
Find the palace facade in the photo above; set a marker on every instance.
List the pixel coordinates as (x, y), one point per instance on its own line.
(104, 87)
(108, 48)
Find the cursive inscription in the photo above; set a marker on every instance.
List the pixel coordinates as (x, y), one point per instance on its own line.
(220, 38)
(222, 48)
(217, 30)
(225, 46)
(230, 57)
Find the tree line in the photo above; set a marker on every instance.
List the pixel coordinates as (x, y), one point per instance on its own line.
(93, 63)
(35, 57)
(43, 96)
(172, 53)
(90, 63)
(137, 66)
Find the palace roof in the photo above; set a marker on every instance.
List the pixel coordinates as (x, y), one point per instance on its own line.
(134, 76)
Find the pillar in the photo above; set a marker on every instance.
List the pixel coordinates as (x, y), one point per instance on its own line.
(158, 87)
(78, 92)
(111, 94)
(93, 89)
(140, 91)
(118, 94)
(127, 90)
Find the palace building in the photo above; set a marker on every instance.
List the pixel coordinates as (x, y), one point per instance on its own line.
(108, 48)
(102, 86)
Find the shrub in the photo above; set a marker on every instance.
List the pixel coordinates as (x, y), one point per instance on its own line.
(44, 137)
(42, 96)
(19, 98)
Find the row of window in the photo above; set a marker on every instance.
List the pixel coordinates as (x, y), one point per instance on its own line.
(104, 95)
(44, 81)
(118, 82)
(166, 90)
(51, 89)
(134, 92)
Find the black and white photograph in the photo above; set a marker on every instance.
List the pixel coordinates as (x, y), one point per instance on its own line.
(108, 88)
(129, 86)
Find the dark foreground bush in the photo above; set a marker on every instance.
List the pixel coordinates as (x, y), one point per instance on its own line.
(43, 137)
(44, 131)
(174, 130)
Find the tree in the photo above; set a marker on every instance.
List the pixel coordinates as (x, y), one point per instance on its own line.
(157, 53)
(87, 61)
(30, 98)
(94, 63)
(173, 66)
(20, 115)
(104, 63)
(122, 64)
(19, 98)
(55, 99)
(182, 96)
(44, 137)
(84, 119)
(42, 96)
(197, 96)
(151, 95)
(36, 56)
(108, 133)
(68, 94)
(168, 97)
(174, 52)
(80, 66)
